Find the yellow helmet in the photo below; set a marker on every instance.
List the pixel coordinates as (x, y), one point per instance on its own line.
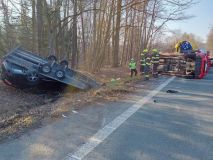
(155, 50)
(145, 51)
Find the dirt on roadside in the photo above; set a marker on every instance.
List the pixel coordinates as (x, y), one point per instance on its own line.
(24, 109)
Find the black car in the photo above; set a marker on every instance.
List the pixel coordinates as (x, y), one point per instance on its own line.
(23, 68)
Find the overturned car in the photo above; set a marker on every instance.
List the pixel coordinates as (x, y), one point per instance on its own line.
(24, 68)
(186, 62)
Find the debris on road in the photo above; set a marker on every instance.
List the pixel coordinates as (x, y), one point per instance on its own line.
(171, 91)
(64, 116)
(73, 111)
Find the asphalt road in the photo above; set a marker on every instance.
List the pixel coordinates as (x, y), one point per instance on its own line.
(148, 125)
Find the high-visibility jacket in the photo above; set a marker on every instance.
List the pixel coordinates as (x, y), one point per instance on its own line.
(132, 65)
(143, 61)
(148, 60)
(155, 58)
(143, 57)
(177, 46)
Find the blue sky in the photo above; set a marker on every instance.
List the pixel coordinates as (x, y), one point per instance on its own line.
(201, 24)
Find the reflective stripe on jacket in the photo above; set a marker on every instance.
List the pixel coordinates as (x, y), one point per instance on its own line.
(148, 61)
(155, 58)
(143, 61)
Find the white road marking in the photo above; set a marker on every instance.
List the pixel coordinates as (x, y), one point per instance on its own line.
(103, 133)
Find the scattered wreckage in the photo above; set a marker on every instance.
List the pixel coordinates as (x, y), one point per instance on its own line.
(24, 68)
(186, 62)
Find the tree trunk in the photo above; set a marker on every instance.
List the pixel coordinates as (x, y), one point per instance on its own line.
(40, 24)
(74, 35)
(125, 38)
(34, 26)
(117, 32)
(83, 33)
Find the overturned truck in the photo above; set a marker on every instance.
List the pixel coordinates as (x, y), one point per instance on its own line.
(186, 63)
(24, 68)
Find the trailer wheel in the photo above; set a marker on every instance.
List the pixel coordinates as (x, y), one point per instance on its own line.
(52, 58)
(64, 63)
(60, 74)
(46, 68)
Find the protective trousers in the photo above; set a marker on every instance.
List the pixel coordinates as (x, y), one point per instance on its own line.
(142, 69)
(147, 67)
(147, 71)
(154, 71)
(142, 65)
(134, 71)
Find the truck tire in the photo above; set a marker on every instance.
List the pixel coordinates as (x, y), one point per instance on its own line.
(60, 74)
(46, 68)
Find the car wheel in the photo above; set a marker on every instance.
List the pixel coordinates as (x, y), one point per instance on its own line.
(46, 68)
(60, 74)
(33, 77)
(64, 63)
(3, 76)
(52, 58)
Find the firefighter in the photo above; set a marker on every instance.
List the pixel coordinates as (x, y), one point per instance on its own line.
(143, 61)
(177, 46)
(147, 66)
(155, 62)
(133, 67)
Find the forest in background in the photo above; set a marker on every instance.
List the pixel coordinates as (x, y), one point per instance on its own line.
(92, 33)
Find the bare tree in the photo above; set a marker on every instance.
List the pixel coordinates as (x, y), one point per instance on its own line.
(117, 33)
(92, 33)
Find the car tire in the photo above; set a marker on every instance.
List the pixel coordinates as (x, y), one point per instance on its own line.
(64, 63)
(46, 68)
(52, 58)
(32, 77)
(60, 74)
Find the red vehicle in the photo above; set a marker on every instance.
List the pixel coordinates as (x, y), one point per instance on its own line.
(206, 62)
(200, 67)
(209, 59)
